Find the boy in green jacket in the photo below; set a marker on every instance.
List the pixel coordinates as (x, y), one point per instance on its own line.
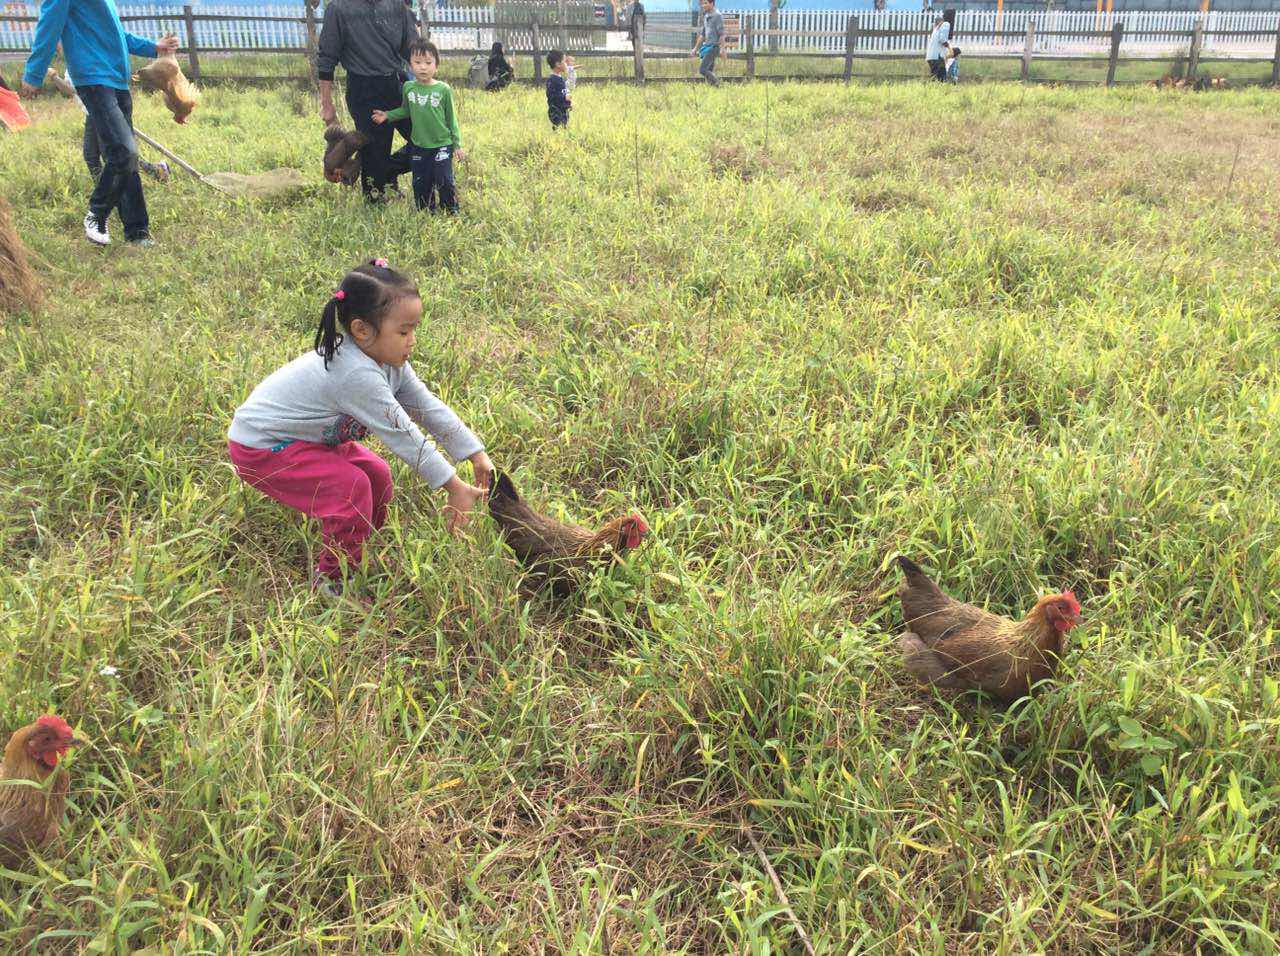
(428, 104)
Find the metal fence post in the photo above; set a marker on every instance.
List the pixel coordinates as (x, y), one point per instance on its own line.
(193, 58)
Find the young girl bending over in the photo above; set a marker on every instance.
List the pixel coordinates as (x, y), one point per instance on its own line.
(295, 438)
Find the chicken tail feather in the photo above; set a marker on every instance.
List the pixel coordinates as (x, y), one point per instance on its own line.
(503, 488)
(909, 567)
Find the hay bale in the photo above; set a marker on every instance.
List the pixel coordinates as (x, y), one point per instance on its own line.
(18, 286)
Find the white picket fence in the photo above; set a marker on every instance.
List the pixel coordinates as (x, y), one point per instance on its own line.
(1142, 31)
(452, 28)
(449, 25)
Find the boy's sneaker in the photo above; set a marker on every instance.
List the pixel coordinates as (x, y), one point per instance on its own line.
(96, 231)
(158, 171)
(141, 242)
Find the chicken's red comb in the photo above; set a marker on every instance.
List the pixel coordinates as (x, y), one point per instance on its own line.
(1071, 596)
(55, 723)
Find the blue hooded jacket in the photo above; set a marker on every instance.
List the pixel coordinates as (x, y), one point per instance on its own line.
(93, 41)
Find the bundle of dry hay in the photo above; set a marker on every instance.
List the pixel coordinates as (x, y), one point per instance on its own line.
(18, 286)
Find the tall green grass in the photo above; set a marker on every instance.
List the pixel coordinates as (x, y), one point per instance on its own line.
(1026, 335)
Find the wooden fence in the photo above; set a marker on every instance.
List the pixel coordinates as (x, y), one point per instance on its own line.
(812, 35)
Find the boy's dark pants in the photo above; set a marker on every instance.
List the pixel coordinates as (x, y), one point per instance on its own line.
(708, 65)
(119, 186)
(378, 165)
(433, 173)
(93, 153)
(559, 118)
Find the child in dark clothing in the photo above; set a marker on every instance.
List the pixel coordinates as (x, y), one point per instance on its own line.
(558, 100)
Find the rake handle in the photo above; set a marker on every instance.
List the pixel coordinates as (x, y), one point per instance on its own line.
(176, 158)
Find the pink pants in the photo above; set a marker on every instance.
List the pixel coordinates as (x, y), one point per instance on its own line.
(347, 487)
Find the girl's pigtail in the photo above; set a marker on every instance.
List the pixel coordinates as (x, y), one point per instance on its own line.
(328, 338)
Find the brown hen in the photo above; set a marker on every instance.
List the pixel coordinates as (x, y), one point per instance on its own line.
(554, 552)
(962, 647)
(30, 816)
(341, 155)
(164, 74)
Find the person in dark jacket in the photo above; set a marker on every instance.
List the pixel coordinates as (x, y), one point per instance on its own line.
(558, 101)
(500, 71)
(370, 39)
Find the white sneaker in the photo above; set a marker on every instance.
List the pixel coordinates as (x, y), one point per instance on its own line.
(95, 231)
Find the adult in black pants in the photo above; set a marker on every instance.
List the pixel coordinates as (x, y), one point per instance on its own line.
(370, 39)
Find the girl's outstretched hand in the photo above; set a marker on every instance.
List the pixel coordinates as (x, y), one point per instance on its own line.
(462, 499)
(483, 469)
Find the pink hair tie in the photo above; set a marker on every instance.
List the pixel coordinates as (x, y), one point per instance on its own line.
(380, 263)
(340, 295)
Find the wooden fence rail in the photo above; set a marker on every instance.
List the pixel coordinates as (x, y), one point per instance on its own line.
(753, 38)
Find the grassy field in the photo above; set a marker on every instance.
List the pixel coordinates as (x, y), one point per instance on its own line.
(1028, 336)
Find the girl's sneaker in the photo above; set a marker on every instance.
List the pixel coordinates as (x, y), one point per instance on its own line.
(326, 586)
(335, 590)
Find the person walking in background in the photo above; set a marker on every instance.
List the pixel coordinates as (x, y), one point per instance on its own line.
(97, 50)
(637, 11)
(558, 100)
(709, 41)
(501, 72)
(370, 39)
(934, 50)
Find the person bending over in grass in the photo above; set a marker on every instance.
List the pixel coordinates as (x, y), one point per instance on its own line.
(501, 72)
(428, 105)
(296, 437)
(558, 100)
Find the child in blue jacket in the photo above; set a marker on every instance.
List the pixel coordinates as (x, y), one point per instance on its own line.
(97, 49)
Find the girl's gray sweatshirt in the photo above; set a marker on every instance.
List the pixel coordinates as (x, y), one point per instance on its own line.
(305, 402)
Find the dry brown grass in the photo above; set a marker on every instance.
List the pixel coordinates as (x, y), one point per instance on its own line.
(19, 288)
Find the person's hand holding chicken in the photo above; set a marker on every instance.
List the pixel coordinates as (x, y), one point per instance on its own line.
(464, 497)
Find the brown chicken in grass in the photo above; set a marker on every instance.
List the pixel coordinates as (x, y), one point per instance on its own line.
(30, 816)
(961, 647)
(342, 154)
(557, 553)
(164, 74)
